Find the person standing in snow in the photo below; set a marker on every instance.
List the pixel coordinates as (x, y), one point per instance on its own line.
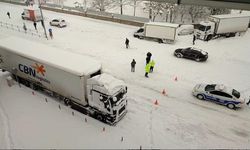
(8, 14)
(147, 69)
(194, 38)
(35, 25)
(148, 57)
(50, 33)
(24, 28)
(133, 65)
(248, 101)
(127, 43)
(152, 64)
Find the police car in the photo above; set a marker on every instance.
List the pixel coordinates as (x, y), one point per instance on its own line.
(218, 93)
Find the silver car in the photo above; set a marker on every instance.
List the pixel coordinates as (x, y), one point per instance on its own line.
(58, 22)
(220, 94)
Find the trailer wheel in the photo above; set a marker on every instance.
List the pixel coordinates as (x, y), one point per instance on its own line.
(160, 40)
(66, 101)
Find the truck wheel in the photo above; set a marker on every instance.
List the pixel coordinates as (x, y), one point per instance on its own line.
(232, 34)
(160, 40)
(200, 97)
(231, 106)
(140, 37)
(209, 37)
(99, 117)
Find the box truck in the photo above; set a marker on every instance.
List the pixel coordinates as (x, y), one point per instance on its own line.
(222, 25)
(31, 13)
(161, 31)
(76, 79)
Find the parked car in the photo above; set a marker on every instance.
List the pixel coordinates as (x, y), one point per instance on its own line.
(186, 30)
(220, 94)
(191, 53)
(58, 22)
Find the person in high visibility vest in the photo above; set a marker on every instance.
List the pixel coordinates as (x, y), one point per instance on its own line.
(152, 64)
(147, 69)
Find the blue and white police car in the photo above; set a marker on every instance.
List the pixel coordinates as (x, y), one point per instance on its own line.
(220, 94)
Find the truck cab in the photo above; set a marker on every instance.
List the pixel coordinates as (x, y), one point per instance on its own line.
(205, 30)
(107, 95)
(139, 33)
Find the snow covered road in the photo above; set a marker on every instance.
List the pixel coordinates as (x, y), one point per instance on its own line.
(179, 121)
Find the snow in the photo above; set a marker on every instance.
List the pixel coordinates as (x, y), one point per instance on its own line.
(164, 24)
(232, 15)
(179, 121)
(43, 54)
(111, 84)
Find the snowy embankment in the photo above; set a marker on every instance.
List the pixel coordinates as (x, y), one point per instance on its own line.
(179, 121)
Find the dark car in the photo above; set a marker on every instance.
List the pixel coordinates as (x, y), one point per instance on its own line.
(191, 53)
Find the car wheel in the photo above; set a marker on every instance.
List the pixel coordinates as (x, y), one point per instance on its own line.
(178, 55)
(200, 97)
(197, 59)
(231, 106)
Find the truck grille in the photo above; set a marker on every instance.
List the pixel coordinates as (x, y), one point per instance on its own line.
(122, 109)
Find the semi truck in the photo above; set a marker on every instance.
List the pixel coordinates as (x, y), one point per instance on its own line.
(161, 31)
(222, 25)
(76, 79)
(31, 13)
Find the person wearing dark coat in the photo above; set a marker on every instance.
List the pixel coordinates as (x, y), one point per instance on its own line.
(8, 14)
(133, 65)
(194, 38)
(127, 43)
(35, 25)
(50, 33)
(24, 28)
(248, 101)
(147, 60)
(148, 57)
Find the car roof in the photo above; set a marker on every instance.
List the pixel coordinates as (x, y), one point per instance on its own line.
(223, 88)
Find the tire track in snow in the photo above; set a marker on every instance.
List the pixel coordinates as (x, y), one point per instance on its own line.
(6, 141)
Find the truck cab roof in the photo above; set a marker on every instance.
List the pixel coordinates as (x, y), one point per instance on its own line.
(68, 61)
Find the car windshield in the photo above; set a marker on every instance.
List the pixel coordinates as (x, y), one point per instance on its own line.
(185, 50)
(236, 93)
(210, 87)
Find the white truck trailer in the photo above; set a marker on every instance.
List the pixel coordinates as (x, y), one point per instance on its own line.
(161, 31)
(222, 25)
(76, 79)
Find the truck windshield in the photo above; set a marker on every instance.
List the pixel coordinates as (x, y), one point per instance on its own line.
(202, 27)
(236, 93)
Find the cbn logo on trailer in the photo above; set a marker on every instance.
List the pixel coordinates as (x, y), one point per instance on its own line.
(33, 70)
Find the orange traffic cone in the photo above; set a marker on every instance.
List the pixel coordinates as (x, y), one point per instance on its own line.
(175, 78)
(156, 102)
(164, 92)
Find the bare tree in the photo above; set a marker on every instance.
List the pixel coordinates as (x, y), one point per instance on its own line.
(134, 4)
(154, 9)
(196, 12)
(102, 5)
(122, 3)
(218, 11)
